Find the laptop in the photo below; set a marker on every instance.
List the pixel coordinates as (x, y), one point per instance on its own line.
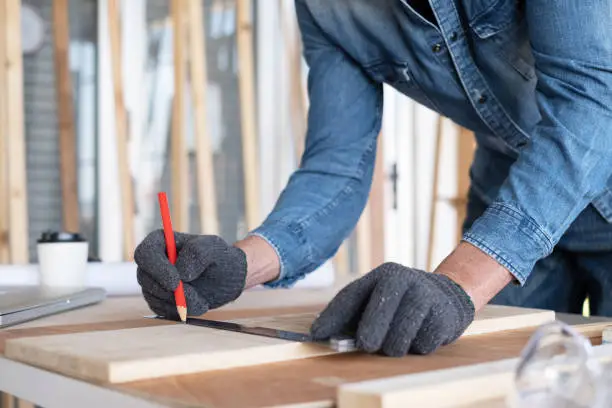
(20, 304)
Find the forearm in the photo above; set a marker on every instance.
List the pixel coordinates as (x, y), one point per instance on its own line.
(263, 264)
(476, 272)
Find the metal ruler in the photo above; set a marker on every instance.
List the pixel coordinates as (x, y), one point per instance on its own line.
(340, 344)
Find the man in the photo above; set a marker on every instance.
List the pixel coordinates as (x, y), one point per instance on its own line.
(532, 79)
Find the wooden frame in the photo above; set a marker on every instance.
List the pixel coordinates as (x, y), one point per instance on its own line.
(65, 115)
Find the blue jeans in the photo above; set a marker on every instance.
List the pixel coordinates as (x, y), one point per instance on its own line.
(562, 280)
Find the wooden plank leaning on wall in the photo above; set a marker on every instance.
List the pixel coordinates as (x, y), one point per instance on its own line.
(246, 83)
(378, 207)
(5, 255)
(465, 155)
(179, 159)
(433, 207)
(125, 179)
(13, 130)
(65, 116)
(371, 226)
(207, 197)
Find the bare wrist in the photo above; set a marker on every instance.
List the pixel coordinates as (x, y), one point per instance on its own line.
(481, 276)
(263, 264)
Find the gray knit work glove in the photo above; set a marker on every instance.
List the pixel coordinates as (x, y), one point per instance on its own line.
(212, 271)
(395, 310)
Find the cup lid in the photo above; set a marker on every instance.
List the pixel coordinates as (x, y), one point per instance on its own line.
(60, 236)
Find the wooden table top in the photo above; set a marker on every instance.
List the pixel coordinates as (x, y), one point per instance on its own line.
(310, 381)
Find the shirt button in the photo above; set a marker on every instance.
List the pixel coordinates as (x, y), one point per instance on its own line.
(482, 99)
(436, 48)
(453, 36)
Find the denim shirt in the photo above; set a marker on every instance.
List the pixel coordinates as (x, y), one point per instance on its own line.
(531, 78)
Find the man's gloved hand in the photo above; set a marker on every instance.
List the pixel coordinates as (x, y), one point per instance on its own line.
(212, 271)
(395, 310)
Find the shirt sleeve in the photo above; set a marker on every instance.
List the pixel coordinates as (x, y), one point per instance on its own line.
(569, 158)
(325, 196)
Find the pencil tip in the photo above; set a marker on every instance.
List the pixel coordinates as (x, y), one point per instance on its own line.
(182, 311)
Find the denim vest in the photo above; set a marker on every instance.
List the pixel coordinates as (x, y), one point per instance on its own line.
(532, 79)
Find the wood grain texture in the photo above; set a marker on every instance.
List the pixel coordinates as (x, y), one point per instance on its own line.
(315, 380)
(15, 141)
(179, 159)
(461, 385)
(494, 318)
(308, 382)
(118, 356)
(5, 255)
(246, 84)
(65, 116)
(207, 196)
(480, 384)
(121, 130)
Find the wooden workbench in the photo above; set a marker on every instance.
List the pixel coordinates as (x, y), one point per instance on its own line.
(302, 383)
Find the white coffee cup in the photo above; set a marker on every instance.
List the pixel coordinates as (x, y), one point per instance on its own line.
(62, 259)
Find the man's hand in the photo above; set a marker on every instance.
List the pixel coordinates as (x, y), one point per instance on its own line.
(213, 272)
(398, 310)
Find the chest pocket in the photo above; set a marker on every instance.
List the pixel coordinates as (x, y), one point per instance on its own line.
(499, 28)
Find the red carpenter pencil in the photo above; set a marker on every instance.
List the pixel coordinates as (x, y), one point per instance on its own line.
(179, 294)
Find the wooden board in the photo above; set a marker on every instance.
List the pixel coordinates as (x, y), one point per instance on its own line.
(314, 381)
(15, 138)
(118, 356)
(5, 255)
(179, 158)
(65, 116)
(246, 85)
(465, 155)
(487, 384)
(121, 129)
(207, 194)
(493, 318)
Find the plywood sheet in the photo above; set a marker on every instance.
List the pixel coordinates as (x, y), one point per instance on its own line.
(315, 380)
(118, 356)
(487, 384)
(493, 318)
(139, 353)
